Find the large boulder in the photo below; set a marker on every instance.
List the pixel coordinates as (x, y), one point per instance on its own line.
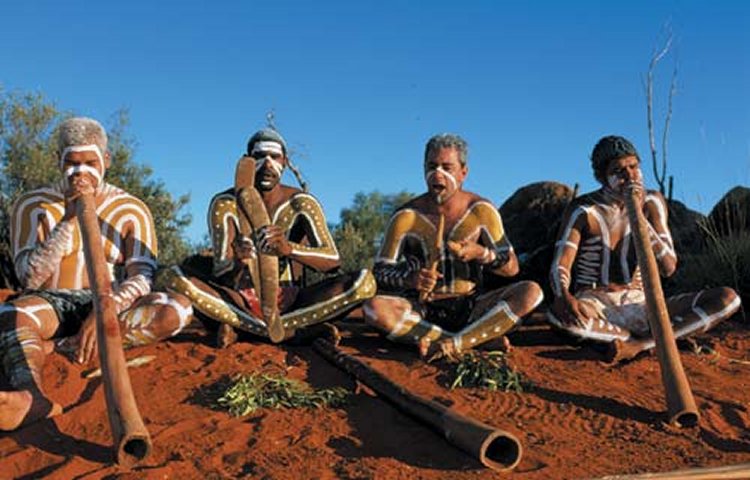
(685, 225)
(532, 217)
(731, 215)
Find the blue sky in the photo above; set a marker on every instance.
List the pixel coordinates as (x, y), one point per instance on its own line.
(358, 87)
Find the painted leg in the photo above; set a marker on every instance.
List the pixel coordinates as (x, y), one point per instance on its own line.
(328, 300)
(494, 314)
(210, 303)
(398, 318)
(25, 325)
(155, 317)
(690, 313)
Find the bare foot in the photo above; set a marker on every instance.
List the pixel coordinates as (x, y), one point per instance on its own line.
(22, 407)
(225, 336)
(432, 351)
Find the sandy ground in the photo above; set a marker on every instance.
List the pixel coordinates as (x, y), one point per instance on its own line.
(580, 419)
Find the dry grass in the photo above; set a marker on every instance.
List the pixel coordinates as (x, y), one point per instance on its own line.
(251, 392)
(487, 370)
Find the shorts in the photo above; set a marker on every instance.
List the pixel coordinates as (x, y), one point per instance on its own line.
(624, 308)
(71, 307)
(451, 314)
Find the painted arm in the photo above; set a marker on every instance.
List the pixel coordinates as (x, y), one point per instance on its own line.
(565, 305)
(397, 264)
(321, 254)
(38, 261)
(140, 253)
(500, 257)
(655, 210)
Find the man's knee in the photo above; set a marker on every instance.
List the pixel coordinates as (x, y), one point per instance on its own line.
(527, 295)
(25, 313)
(383, 312)
(720, 298)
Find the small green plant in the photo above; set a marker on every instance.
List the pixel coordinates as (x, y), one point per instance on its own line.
(250, 392)
(488, 370)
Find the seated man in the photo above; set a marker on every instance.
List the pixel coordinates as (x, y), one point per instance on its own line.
(455, 312)
(50, 264)
(595, 276)
(297, 235)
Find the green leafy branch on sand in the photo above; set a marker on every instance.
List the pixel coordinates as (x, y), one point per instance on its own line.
(488, 370)
(251, 392)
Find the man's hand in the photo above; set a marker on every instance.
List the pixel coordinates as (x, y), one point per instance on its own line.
(425, 280)
(567, 309)
(639, 191)
(272, 241)
(78, 185)
(244, 248)
(87, 347)
(466, 250)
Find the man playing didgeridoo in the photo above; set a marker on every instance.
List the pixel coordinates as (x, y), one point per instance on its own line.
(49, 261)
(436, 250)
(595, 276)
(297, 233)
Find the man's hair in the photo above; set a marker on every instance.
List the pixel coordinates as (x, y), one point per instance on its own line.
(266, 135)
(81, 131)
(447, 140)
(607, 149)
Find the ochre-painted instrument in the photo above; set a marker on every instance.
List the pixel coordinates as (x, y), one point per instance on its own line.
(253, 216)
(681, 407)
(496, 449)
(132, 442)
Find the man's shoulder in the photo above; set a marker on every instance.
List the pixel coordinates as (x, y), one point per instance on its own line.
(300, 200)
(224, 195)
(43, 198)
(117, 201)
(418, 204)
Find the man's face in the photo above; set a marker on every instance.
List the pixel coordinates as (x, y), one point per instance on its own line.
(83, 167)
(270, 163)
(444, 174)
(622, 172)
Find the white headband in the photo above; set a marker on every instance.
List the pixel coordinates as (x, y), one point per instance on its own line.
(83, 148)
(267, 146)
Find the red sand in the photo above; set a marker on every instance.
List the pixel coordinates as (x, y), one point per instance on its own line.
(581, 419)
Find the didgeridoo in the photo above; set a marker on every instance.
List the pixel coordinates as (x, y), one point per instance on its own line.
(681, 407)
(494, 448)
(132, 442)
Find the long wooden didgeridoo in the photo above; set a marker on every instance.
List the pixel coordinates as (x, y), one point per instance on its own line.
(681, 407)
(252, 217)
(495, 449)
(132, 442)
(435, 262)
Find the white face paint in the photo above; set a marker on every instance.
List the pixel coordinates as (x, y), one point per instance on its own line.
(97, 174)
(262, 152)
(68, 173)
(451, 179)
(613, 181)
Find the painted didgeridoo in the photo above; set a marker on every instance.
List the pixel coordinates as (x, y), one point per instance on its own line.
(132, 442)
(253, 216)
(495, 449)
(681, 407)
